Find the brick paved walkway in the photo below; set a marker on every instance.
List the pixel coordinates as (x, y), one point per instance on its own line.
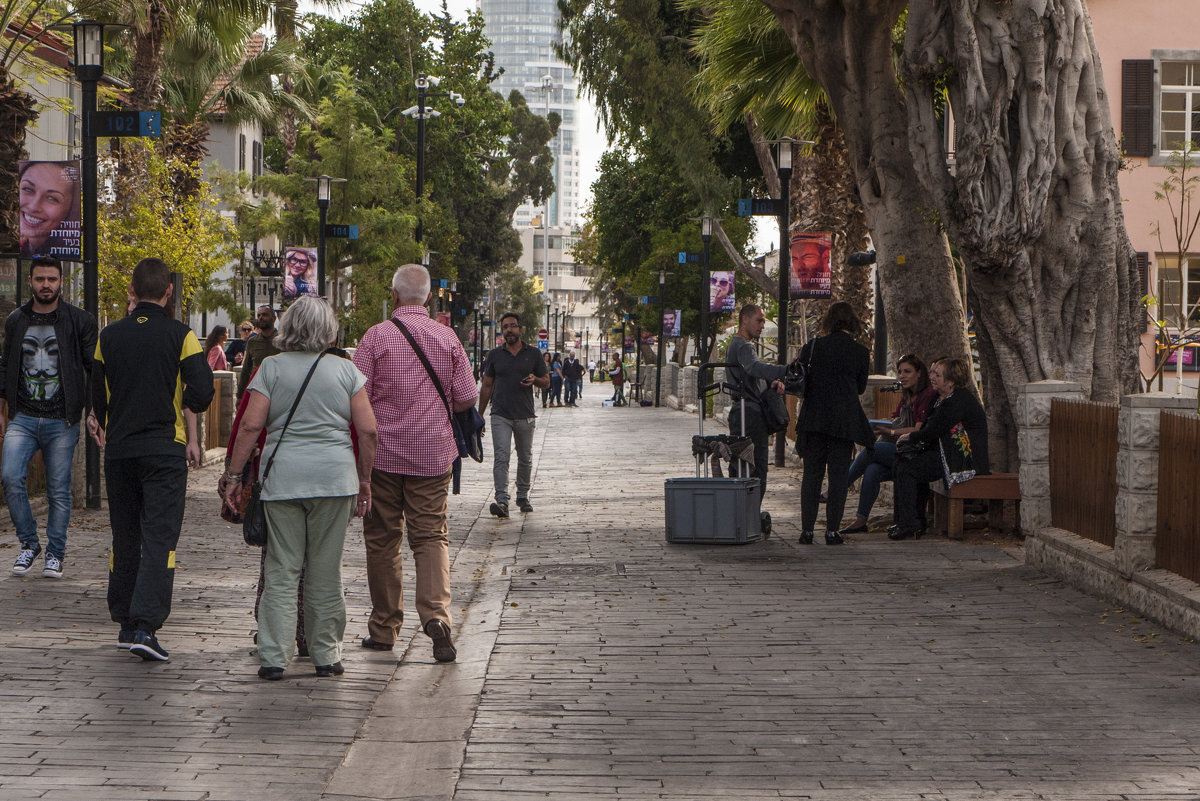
(599, 662)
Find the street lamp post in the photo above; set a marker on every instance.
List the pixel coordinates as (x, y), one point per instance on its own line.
(706, 235)
(422, 112)
(662, 311)
(323, 185)
(785, 270)
(89, 68)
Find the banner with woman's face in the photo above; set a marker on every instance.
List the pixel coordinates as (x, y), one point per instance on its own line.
(810, 276)
(720, 291)
(299, 273)
(49, 209)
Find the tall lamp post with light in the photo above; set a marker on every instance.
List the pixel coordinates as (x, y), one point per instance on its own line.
(706, 234)
(89, 68)
(324, 189)
(422, 112)
(784, 164)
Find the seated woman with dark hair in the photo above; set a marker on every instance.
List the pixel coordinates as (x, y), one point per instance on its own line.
(952, 445)
(874, 465)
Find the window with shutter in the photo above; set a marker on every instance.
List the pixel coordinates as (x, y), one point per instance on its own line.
(1137, 106)
(1143, 287)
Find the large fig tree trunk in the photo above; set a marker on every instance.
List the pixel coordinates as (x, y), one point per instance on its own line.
(846, 46)
(1033, 205)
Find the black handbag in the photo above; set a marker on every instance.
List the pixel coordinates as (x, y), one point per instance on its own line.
(467, 425)
(774, 410)
(254, 519)
(795, 380)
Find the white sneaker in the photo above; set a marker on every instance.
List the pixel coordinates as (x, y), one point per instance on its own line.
(53, 567)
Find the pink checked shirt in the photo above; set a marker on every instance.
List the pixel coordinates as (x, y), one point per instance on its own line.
(415, 438)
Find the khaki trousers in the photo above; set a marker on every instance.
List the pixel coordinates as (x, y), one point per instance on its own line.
(417, 503)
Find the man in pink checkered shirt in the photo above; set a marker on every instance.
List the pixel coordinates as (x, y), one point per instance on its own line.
(411, 477)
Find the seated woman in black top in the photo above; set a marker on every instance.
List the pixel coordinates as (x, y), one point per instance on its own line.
(954, 439)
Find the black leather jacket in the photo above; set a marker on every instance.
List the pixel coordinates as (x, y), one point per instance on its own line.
(76, 332)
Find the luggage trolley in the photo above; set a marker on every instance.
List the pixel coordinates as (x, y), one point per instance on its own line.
(709, 510)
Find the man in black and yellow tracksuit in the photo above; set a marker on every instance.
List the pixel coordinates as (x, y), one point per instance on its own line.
(148, 369)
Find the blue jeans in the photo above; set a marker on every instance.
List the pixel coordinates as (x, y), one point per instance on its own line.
(874, 467)
(504, 433)
(570, 385)
(56, 440)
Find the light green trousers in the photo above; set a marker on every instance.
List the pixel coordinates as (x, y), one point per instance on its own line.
(304, 531)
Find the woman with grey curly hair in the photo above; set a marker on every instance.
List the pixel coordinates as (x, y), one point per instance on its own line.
(314, 486)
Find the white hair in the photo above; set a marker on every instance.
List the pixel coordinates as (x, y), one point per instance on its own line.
(411, 285)
(308, 325)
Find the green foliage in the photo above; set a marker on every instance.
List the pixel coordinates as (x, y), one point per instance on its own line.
(190, 234)
(515, 293)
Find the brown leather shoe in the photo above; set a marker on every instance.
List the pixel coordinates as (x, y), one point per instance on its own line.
(439, 632)
(375, 645)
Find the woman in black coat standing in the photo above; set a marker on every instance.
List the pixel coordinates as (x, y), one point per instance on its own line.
(831, 419)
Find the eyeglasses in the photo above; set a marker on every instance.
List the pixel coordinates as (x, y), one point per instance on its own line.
(247, 330)
(719, 281)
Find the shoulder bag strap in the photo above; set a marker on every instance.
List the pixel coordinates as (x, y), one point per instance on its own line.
(299, 395)
(428, 367)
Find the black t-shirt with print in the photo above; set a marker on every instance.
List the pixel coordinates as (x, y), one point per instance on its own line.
(39, 390)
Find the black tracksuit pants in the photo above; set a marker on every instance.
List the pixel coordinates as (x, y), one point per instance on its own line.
(145, 502)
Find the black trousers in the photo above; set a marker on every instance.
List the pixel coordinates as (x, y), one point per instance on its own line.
(756, 430)
(820, 453)
(911, 479)
(145, 507)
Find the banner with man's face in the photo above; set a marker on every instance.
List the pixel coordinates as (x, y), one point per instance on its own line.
(671, 318)
(811, 277)
(720, 291)
(299, 272)
(49, 209)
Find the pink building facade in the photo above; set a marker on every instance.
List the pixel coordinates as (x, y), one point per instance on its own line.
(1150, 55)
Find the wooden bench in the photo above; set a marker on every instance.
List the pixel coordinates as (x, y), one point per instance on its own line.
(948, 504)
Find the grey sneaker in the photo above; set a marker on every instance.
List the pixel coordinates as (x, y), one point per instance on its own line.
(53, 567)
(25, 560)
(499, 509)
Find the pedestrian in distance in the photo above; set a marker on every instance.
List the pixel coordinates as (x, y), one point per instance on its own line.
(572, 372)
(307, 403)
(44, 369)
(148, 368)
(545, 393)
(591, 370)
(214, 348)
(617, 374)
(414, 464)
(258, 347)
(514, 369)
(235, 351)
(831, 419)
(751, 378)
(556, 381)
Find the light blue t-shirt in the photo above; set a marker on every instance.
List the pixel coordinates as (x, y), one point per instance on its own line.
(316, 459)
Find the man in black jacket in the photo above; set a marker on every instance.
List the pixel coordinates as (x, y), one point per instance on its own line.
(148, 368)
(44, 369)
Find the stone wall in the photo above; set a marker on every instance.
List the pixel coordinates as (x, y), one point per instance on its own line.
(1124, 574)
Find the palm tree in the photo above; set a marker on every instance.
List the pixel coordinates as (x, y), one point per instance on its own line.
(750, 71)
(204, 79)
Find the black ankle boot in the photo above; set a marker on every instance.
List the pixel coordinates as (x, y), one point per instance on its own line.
(806, 538)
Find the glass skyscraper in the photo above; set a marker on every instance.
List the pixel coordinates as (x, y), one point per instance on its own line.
(523, 35)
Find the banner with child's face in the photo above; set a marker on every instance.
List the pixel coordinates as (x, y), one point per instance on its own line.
(49, 209)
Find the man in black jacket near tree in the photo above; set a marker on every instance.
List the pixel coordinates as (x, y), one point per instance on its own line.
(44, 369)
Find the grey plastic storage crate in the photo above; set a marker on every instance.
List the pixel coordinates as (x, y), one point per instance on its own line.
(713, 511)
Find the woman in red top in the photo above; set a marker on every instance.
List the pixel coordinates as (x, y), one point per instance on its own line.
(214, 348)
(874, 465)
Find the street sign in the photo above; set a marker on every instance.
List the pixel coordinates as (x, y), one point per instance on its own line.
(648, 299)
(124, 123)
(690, 258)
(543, 344)
(336, 231)
(758, 207)
(543, 334)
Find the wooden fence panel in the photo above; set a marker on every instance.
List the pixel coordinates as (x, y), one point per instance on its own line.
(212, 420)
(1083, 468)
(1177, 544)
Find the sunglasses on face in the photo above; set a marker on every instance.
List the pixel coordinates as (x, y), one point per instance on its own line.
(720, 281)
